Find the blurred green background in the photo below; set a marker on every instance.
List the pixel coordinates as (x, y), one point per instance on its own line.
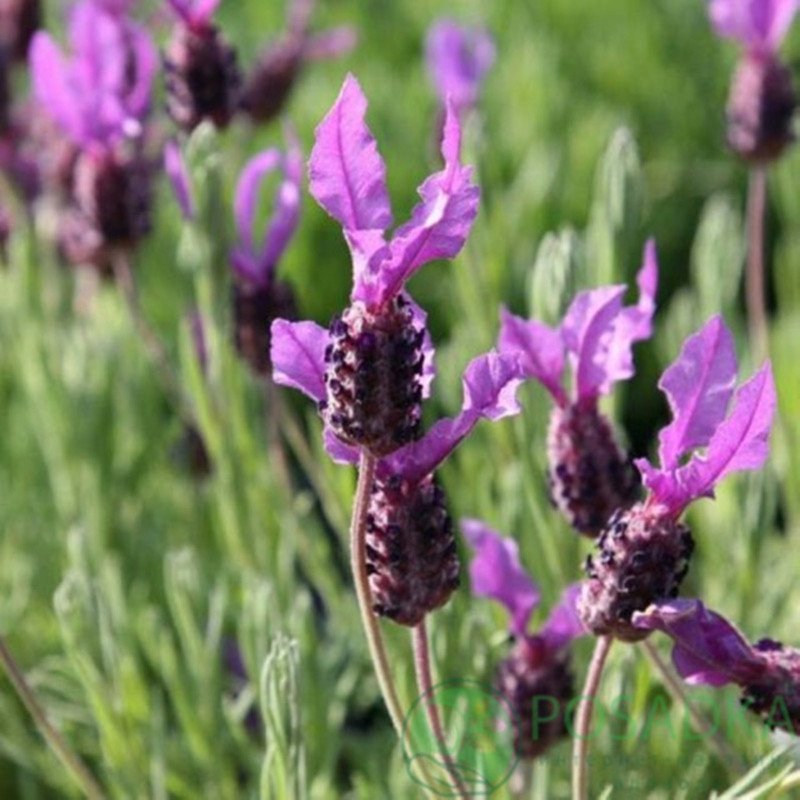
(124, 579)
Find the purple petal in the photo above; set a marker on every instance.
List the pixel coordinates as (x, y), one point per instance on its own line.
(347, 174)
(334, 43)
(698, 386)
(253, 262)
(495, 572)
(179, 179)
(741, 442)
(339, 452)
(438, 227)
(760, 25)
(490, 386)
(564, 623)
(540, 348)
(143, 64)
(297, 352)
(708, 649)
(458, 58)
(195, 12)
(53, 86)
(587, 330)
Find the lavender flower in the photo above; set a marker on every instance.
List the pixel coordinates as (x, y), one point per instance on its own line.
(458, 59)
(202, 77)
(279, 66)
(537, 669)
(762, 98)
(258, 297)
(589, 476)
(377, 353)
(19, 20)
(709, 650)
(99, 98)
(643, 554)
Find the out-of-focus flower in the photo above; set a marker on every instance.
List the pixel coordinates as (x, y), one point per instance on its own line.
(374, 373)
(762, 98)
(589, 476)
(458, 59)
(19, 20)
(179, 179)
(279, 66)
(202, 76)
(643, 555)
(710, 651)
(258, 296)
(538, 666)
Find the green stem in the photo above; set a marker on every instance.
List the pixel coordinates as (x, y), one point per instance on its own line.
(580, 770)
(77, 769)
(422, 668)
(721, 748)
(755, 292)
(358, 562)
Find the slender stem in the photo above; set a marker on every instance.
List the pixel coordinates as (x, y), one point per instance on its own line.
(580, 771)
(153, 343)
(56, 742)
(358, 561)
(755, 292)
(273, 419)
(422, 668)
(721, 748)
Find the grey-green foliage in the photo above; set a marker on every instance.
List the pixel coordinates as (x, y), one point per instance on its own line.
(718, 256)
(555, 276)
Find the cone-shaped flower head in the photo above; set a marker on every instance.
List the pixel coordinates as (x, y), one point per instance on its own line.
(710, 651)
(537, 669)
(377, 351)
(762, 98)
(458, 59)
(275, 73)
(258, 297)
(643, 555)
(589, 475)
(202, 77)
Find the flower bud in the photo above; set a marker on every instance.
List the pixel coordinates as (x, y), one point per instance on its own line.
(268, 86)
(589, 476)
(411, 550)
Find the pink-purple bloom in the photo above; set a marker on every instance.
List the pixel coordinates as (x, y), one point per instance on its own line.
(195, 13)
(101, 92)
(254, 258)
(496, 573)
(348, 179)
(595, 338)
(710, 651)
(458, 59)
(759, 25)
(699, 386)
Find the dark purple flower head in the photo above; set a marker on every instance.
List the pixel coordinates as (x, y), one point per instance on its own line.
(458, 59)
(254, 259)
(348, 179)
(19, 20)
(759, 25)
(710, 651)
(699, 386)
(101, 93)
(538, 665)
(589, 475)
